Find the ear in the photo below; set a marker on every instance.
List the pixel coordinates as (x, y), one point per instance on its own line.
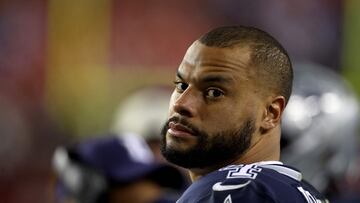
(273, 112)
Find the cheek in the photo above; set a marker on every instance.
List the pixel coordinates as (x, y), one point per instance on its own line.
(230, 116)
(220, 118)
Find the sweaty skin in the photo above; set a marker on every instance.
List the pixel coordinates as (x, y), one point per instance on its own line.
(217, 89)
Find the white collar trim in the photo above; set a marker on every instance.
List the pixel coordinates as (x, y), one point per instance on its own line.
(278, 166)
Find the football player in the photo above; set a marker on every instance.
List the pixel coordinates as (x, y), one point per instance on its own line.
(231, 89)
(113, 169)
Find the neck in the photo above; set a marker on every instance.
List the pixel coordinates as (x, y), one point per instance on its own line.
(264, 147)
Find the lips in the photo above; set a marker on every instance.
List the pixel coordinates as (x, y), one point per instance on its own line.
(179, 130)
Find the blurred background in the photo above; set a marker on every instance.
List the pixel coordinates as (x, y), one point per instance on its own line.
(65, 66)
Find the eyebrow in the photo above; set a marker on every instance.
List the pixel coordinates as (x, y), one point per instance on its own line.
(178, 74)
(216, 79)
(211, 79)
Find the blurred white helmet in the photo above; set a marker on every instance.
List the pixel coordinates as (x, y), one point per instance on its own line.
(320, 125)
(143, 112)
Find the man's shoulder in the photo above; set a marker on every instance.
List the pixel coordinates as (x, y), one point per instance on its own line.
(258, 182)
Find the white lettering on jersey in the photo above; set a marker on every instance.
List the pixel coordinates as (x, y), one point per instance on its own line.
(242, 171)
(309, 198)
(218, 187)
(228, 199)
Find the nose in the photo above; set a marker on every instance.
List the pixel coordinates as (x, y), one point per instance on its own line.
(186, 103)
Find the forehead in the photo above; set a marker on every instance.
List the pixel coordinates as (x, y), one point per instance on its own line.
(200, 58)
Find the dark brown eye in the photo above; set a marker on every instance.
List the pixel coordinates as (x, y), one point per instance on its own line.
(180, 86)
(214, 93)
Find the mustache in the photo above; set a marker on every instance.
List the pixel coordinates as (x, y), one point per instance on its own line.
(184, 122)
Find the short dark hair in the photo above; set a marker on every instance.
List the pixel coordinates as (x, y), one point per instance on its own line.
(267, 54)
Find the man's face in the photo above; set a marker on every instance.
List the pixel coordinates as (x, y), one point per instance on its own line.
(213, 110)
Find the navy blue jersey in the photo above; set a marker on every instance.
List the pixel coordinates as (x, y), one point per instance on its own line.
(262, 182)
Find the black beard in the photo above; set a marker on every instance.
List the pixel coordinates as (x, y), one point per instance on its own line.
(209, 151)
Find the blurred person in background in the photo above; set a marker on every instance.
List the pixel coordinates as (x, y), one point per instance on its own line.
(320, 132)
(113, 169)
(143, 112)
